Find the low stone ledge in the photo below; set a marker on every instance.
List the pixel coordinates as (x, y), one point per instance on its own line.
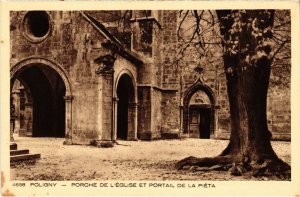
(68, 142)
(103, 143)
(281, 136)
(170, 136)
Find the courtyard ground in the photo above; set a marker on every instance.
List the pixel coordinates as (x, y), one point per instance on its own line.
(129, 160)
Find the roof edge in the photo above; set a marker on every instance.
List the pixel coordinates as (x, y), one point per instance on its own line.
(114, 44)
(100, 27)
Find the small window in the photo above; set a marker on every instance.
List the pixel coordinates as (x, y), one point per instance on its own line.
(36, 25)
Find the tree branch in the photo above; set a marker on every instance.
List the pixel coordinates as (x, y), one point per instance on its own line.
(280, 47)
(180, 24)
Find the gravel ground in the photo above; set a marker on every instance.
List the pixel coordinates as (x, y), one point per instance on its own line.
(130, 160)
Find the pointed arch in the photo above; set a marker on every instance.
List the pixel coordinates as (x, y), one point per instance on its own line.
(196, 87)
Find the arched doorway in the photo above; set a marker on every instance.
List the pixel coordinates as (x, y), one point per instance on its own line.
(199, 108)
(126, 108)
(199, 111)
(47, 90)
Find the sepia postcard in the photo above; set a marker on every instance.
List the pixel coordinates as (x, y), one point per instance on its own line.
(149, 98)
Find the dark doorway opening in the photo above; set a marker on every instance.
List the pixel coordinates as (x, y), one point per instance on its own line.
(125, 93)
(204, 125)
(48, 106)
(200, 122)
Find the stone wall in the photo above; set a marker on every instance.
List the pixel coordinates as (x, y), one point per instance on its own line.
(170, 74)
(170, 112)
(178, 70)
(156, 115)
(279, 106)
(144, 112)
(279, 111)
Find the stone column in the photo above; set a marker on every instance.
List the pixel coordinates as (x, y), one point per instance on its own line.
(26, 122)
(105, 102)
(132, 121)
(115, 117)
(16, 98)
(12, 119)
(215, 120)
(135, 119)
(181, 129)
(68, 119)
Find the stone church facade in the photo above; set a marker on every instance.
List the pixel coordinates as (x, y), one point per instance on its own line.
(87, 76)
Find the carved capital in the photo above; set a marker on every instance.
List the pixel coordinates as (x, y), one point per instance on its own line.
(12, 108)
(106, 64)
(68, 98)
(116, 99)
(28, 104)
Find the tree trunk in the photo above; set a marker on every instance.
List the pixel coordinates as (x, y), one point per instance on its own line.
(247, 93)
(247, 62)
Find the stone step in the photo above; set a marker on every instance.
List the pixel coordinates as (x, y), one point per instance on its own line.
(24, 157)
(19, 152)
(13, 146)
